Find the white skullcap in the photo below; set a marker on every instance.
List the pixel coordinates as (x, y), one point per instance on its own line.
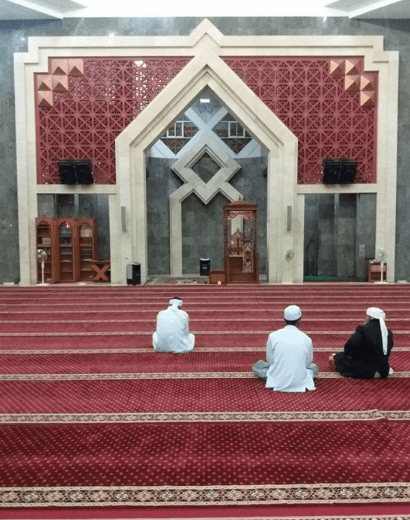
(175, 302)
(378, 314)
(292, 313)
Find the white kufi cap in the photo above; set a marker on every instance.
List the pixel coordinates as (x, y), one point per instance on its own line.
(292, 313)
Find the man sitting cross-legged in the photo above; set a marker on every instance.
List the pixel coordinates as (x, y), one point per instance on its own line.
(289, 353)
(172, 334)
(366, 353)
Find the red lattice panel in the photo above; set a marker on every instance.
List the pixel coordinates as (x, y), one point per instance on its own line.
(80, 114)
(326, 111)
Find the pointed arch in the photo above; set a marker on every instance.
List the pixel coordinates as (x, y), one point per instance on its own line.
(207, 69)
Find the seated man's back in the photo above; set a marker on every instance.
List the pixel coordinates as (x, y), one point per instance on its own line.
(289, 363)
(288, 353)
(172, 334)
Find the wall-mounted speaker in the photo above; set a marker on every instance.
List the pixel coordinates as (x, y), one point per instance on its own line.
(331, 171)
(66, 171)
(348, 172)
(341, 171)
(75, 172)
(84, 171)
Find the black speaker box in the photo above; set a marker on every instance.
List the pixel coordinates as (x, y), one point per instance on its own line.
(331, 171)
(84, 172)
(66, 171)
(133, 273)
(348, 172)
(204, 266)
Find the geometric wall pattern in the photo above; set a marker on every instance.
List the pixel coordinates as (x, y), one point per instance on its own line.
(328, 103)
(83, 104)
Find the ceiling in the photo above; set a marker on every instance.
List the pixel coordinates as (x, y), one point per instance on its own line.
(399, 9)
(36, 9)
(58, 9)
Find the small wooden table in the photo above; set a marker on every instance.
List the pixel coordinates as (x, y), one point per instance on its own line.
(217, 276)
(374, 271)
(100, 268)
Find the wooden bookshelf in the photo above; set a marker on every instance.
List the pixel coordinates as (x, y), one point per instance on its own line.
(44, 229)
(70, 244)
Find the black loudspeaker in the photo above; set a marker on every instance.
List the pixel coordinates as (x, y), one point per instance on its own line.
(66, 171)
(348, 171)
(84, 171)
(204, 266)
(331, 171)
(134, 273)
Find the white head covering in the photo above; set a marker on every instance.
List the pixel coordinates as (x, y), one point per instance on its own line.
(175, 303)
(378, 314)
(292, 313)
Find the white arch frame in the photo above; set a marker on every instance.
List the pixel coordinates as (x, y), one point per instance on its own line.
(208, 70)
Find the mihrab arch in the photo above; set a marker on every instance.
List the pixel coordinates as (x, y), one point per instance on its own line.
(208, 70)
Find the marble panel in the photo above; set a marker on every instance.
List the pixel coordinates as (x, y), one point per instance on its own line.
(327, 259)
(311, 236)
(339, 235)
(46, 205)
(365, 233)
(202, 232)
(161, 182)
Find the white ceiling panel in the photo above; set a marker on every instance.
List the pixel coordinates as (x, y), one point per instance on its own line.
(49, 9)
(36, 9)
(399, 9)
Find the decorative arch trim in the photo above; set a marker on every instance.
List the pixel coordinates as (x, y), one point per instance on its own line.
(205, 70)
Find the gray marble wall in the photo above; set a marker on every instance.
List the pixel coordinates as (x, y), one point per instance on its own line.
(327, 229)
(339, 235)
(161, 182)
(202, 225)
(345, 217)
(202, 232)
(13, 38)
(365, 233)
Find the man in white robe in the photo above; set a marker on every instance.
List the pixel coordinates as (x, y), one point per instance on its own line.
(172, 334)
(289, 353)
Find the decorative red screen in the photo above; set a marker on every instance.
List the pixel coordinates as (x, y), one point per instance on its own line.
(83, 104)
(328, 103)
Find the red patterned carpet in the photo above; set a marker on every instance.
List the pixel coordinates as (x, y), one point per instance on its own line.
(95, 424)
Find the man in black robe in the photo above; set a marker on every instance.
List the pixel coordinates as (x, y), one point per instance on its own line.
(366, 353)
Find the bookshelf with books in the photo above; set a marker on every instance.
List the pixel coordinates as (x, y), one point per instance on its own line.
(87, 248)
(71, 245)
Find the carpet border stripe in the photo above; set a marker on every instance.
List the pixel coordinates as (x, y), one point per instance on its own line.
(87, 496)
(153, 417)
(158, 375)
